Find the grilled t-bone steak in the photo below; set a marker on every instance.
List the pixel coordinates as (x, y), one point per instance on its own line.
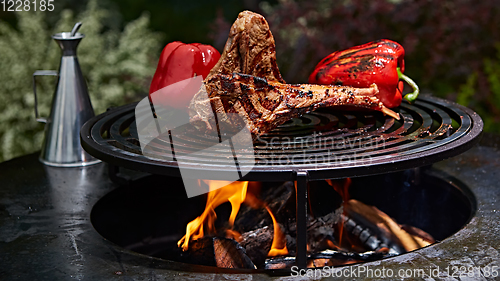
(249, 49)
(246, 80)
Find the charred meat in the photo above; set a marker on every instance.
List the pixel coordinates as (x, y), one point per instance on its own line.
(246, 80)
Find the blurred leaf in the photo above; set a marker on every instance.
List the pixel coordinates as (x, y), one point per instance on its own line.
(466, 91)
(118, 66)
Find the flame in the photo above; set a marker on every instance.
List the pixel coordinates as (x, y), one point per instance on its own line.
(251, 198)
(278, 247)
(232, 192)
(342, 188)
(231, 233)
(332, 245)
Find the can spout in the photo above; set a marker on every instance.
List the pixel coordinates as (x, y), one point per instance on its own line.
(75, 28)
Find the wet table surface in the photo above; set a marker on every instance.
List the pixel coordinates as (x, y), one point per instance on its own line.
(46, 233)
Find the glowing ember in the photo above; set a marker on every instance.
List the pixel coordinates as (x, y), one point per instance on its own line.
(233, 192)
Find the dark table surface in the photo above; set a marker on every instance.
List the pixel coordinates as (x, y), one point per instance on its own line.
(46, 233)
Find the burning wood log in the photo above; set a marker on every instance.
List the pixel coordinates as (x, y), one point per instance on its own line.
(368, 233)
(355, 231)
(279, 262)
(229, 254)
(200, 252)
(325, 258)
(378, 225)
(418, 233)
(279, 198)
(218, 251)
(258, 242)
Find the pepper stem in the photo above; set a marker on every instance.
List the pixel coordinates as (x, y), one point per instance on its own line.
(411, 97)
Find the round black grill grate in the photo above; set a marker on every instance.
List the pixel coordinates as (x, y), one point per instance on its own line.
(325, 143)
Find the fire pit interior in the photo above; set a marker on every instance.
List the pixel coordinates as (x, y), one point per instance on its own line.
(150, 215)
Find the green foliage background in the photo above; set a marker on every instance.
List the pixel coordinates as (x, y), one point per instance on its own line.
(117, 63)
(486, 80)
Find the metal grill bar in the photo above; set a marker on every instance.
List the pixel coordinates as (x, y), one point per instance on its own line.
(301, 215)
(325, 143)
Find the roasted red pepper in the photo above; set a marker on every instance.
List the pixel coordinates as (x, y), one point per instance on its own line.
(178, 62)
(379, 62)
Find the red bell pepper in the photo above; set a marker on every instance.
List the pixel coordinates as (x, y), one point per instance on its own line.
(178, 62)
(379, 62)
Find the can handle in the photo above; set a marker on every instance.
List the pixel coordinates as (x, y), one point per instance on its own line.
(41, 73)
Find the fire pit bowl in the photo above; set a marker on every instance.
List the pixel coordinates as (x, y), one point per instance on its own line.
(150, 216)
(319, 145)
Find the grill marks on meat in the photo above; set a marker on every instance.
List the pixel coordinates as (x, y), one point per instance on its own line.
(246, 80)
(264, 105)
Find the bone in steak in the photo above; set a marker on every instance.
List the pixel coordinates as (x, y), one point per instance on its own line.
(263, 104)
(249, 49)
(246, 80)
